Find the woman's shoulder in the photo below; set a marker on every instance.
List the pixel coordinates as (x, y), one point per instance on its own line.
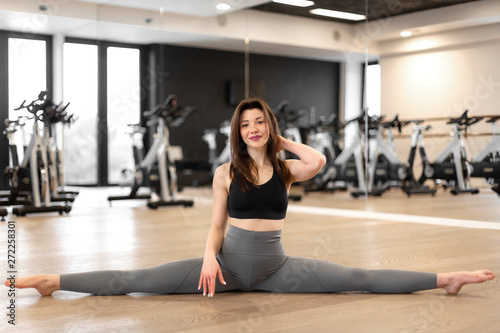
(223, 169)
(222, 175)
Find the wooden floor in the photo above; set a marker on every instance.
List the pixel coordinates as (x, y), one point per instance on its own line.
(128, 235)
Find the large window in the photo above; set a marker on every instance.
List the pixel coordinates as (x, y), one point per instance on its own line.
(123, 107)
(102, 83)
(80, 89)
(27, 72)
(27, 68)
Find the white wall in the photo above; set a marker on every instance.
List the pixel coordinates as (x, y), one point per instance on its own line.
(443, 83)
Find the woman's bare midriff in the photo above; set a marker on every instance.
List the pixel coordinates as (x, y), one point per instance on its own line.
(257, 224)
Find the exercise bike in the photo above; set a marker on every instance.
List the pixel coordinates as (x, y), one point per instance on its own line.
(287, 123)
(487, 163)
(385, 170)
(210, 137)
(452, 165)
(287, 119)
(321, 136)
(411, 185)
(55, 156)
(348, 166)
(157, 169)
(31, 177)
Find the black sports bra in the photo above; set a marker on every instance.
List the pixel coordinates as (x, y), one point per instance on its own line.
(267, 201)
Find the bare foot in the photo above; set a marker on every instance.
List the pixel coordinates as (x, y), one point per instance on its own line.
(44, 284)
(453, 282)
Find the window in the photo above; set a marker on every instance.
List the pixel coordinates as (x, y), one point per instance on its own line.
(123, 107)
(27, 68)
(80, 138)
(27, 72)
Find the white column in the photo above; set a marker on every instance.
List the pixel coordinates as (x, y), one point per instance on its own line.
(57, 71)
(350, 95)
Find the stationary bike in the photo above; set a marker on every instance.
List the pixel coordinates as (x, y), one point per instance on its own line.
(411, 185)
(287, 119)
(14, 177)
(210, 137)
(157, 169)
(487, 163)
(30, 179)
(452, 165)
(384, 169)
(347, 167)
(322, 137)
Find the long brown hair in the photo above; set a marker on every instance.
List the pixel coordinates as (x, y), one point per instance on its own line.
(243, 169)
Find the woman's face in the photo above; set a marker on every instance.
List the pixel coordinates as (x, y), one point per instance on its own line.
(253, 128)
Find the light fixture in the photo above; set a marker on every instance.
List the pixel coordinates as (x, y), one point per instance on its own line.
(223, 6)
(337, 14)
(405, 33)
(298, 3)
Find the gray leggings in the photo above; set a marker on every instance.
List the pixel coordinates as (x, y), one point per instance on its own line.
(251, 260)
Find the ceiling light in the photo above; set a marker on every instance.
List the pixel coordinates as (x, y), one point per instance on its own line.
(223, 6)
(405, 33)
(337, 14)
(298, 3)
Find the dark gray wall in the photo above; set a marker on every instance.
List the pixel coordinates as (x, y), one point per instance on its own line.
(200, 77)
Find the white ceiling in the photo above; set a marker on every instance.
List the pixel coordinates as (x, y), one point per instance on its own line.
(187, 7)
(198, 23)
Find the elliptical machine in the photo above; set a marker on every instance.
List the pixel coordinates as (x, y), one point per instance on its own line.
(157, 169)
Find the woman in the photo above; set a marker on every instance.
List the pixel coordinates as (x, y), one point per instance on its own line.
(251, 193)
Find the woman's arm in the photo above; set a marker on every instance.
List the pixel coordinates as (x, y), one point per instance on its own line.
(211, 269)
(309, 163)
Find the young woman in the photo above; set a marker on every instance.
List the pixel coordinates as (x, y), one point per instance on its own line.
(251, 193)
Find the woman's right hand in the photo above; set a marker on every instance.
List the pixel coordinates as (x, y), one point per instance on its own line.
(209, 273)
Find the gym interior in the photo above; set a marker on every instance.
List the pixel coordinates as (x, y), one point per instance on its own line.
(117, 113)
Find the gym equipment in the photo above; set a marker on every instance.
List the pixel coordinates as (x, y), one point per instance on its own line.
(55, 154)
(321, 136)
(487, 163)
(287, 123)
(384, 167)
(210, 137)
(452, 165)
(19, 193)
(35, 183)
(347, 166)
(3, 213)
(287, 119)
(157, 169)
(411, 185)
